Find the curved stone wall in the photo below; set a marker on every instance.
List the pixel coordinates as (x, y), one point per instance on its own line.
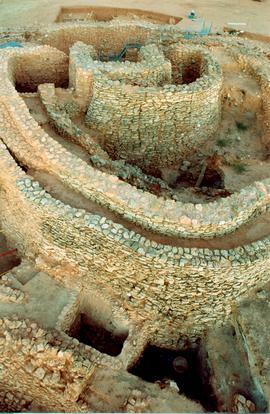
(33, 147)
(158, 127)
(154, 288)
(60, 119)
(105, 37)
(150, 69)
(182, 291)
(27, 71)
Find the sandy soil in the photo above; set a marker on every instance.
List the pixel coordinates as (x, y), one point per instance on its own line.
(254, 14)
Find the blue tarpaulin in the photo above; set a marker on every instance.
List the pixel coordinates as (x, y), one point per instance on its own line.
(122, 53)
(10, 44)
(203, 31)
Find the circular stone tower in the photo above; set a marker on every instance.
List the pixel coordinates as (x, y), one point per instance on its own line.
(158, 126)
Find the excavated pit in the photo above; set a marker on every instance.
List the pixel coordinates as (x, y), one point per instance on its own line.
(184, 368)
(93, 334)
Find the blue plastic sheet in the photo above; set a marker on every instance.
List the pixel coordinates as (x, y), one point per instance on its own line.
(10, 44)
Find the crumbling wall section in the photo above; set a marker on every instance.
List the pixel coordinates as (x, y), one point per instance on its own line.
(61, 121)
(41, 371)
(49, 372)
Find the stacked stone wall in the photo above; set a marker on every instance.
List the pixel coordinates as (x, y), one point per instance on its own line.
(34, 148)
(49, 370)
(157, 127)
(61, 121)
(181, 290)
(80, 73)
(30, 70)
(259, 69)
(167, 291)
(54, 374)
(151, 69)
(106, 37)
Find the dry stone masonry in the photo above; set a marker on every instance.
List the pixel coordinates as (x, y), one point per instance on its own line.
(134, 263)
(155, 126)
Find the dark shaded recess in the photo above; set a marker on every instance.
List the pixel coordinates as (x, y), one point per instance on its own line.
(31, 71)
(93, 334)
(157, 364)
(25, 87)
(191, 73)
(213, 179)
(31, 87)
(18, 162)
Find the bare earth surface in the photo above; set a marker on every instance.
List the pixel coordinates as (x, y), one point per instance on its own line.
(254, 14)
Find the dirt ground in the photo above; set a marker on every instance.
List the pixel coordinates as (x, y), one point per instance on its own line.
(254, 14)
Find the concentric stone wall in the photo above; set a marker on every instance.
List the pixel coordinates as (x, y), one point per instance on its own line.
(36, 149)
(152, 69)
(105, 37)
(159, 291)
(182, 291)
(158, 127)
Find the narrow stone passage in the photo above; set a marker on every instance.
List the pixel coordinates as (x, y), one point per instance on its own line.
(256, 229)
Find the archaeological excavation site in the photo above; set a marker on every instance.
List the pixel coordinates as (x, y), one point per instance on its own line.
(134, 216)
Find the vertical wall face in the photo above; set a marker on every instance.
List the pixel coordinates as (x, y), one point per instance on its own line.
(80, 73)
(108, 39)
(151, 69)
(187, 66)
(159, 126)
(31, 70)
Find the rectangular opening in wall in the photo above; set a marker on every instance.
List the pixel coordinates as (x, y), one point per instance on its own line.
(91, 333)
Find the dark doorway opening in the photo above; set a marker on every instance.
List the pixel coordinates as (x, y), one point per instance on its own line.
(97, 336)
(213, 178)
(183, 367)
